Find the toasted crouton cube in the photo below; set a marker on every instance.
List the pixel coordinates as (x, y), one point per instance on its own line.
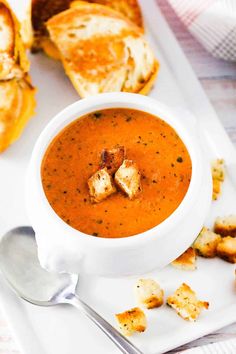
(226, 226)
(186, 304)
(218, 176)
(226, 249)
(186, 261)
(131, 321)
(128, 178)
(206, 243)
(100, 185)
(149, 293)
(216, 189)
(113, 159)
(218, 170)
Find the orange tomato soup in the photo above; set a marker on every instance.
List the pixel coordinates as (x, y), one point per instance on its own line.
(75, 155)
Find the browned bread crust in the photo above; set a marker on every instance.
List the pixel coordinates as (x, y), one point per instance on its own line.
(186, 261)
(43, 10)
(102, 51)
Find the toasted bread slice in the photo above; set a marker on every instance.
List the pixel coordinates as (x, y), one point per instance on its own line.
(186, 261)
(102, 51)
(7, 43)
(26, 29)
(16, 92)
(226, 249)
(131, 321)
(43, 10)
(128, 178)
(226, 225)
(100, 185)
(112, 159)
(186, 304)
(149, 293)
(129, 8)
(13, 60)
(206, 243)
(17, 105)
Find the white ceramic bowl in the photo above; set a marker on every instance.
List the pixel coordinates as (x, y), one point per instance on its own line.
(63, 248)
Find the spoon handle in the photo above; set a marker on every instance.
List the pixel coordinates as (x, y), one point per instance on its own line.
(120, 341)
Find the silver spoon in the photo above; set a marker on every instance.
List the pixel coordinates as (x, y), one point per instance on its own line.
(20, 266)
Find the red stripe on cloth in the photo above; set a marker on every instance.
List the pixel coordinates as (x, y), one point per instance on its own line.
(188, 10)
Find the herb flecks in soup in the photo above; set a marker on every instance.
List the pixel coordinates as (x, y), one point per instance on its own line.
(75, 155)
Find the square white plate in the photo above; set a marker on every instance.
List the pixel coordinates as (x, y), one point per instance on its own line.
(63, 330)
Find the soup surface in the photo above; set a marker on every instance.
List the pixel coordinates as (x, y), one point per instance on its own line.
(75, 155)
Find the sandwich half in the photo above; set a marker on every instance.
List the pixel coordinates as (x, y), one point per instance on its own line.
(43, 10)
(16, 91)
(102, 51)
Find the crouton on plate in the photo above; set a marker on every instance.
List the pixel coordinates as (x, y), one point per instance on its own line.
(216, 184)
(100, 185)
(218, 170)
(131, 321)
(112, 159)
(128, 178)
(206, 243)
(149, 293)
(102, 51)
(226, 249)
(218, 176)
(226, 225)
(186, 304)
(186, 261)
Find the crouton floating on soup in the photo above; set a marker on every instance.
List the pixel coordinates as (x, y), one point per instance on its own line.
(186, 304)
(149, 293)
(152, 171)
(100, 186)
(113, 158)
(128, 178)
(131, 321)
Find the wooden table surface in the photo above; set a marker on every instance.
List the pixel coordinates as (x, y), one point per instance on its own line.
(218, 79)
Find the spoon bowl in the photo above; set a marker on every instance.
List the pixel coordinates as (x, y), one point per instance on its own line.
(20, 266)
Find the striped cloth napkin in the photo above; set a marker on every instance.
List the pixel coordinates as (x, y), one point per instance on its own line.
(212, 23)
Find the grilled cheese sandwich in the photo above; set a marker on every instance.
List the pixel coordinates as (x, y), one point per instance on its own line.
(16, 92)
(102, 51)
